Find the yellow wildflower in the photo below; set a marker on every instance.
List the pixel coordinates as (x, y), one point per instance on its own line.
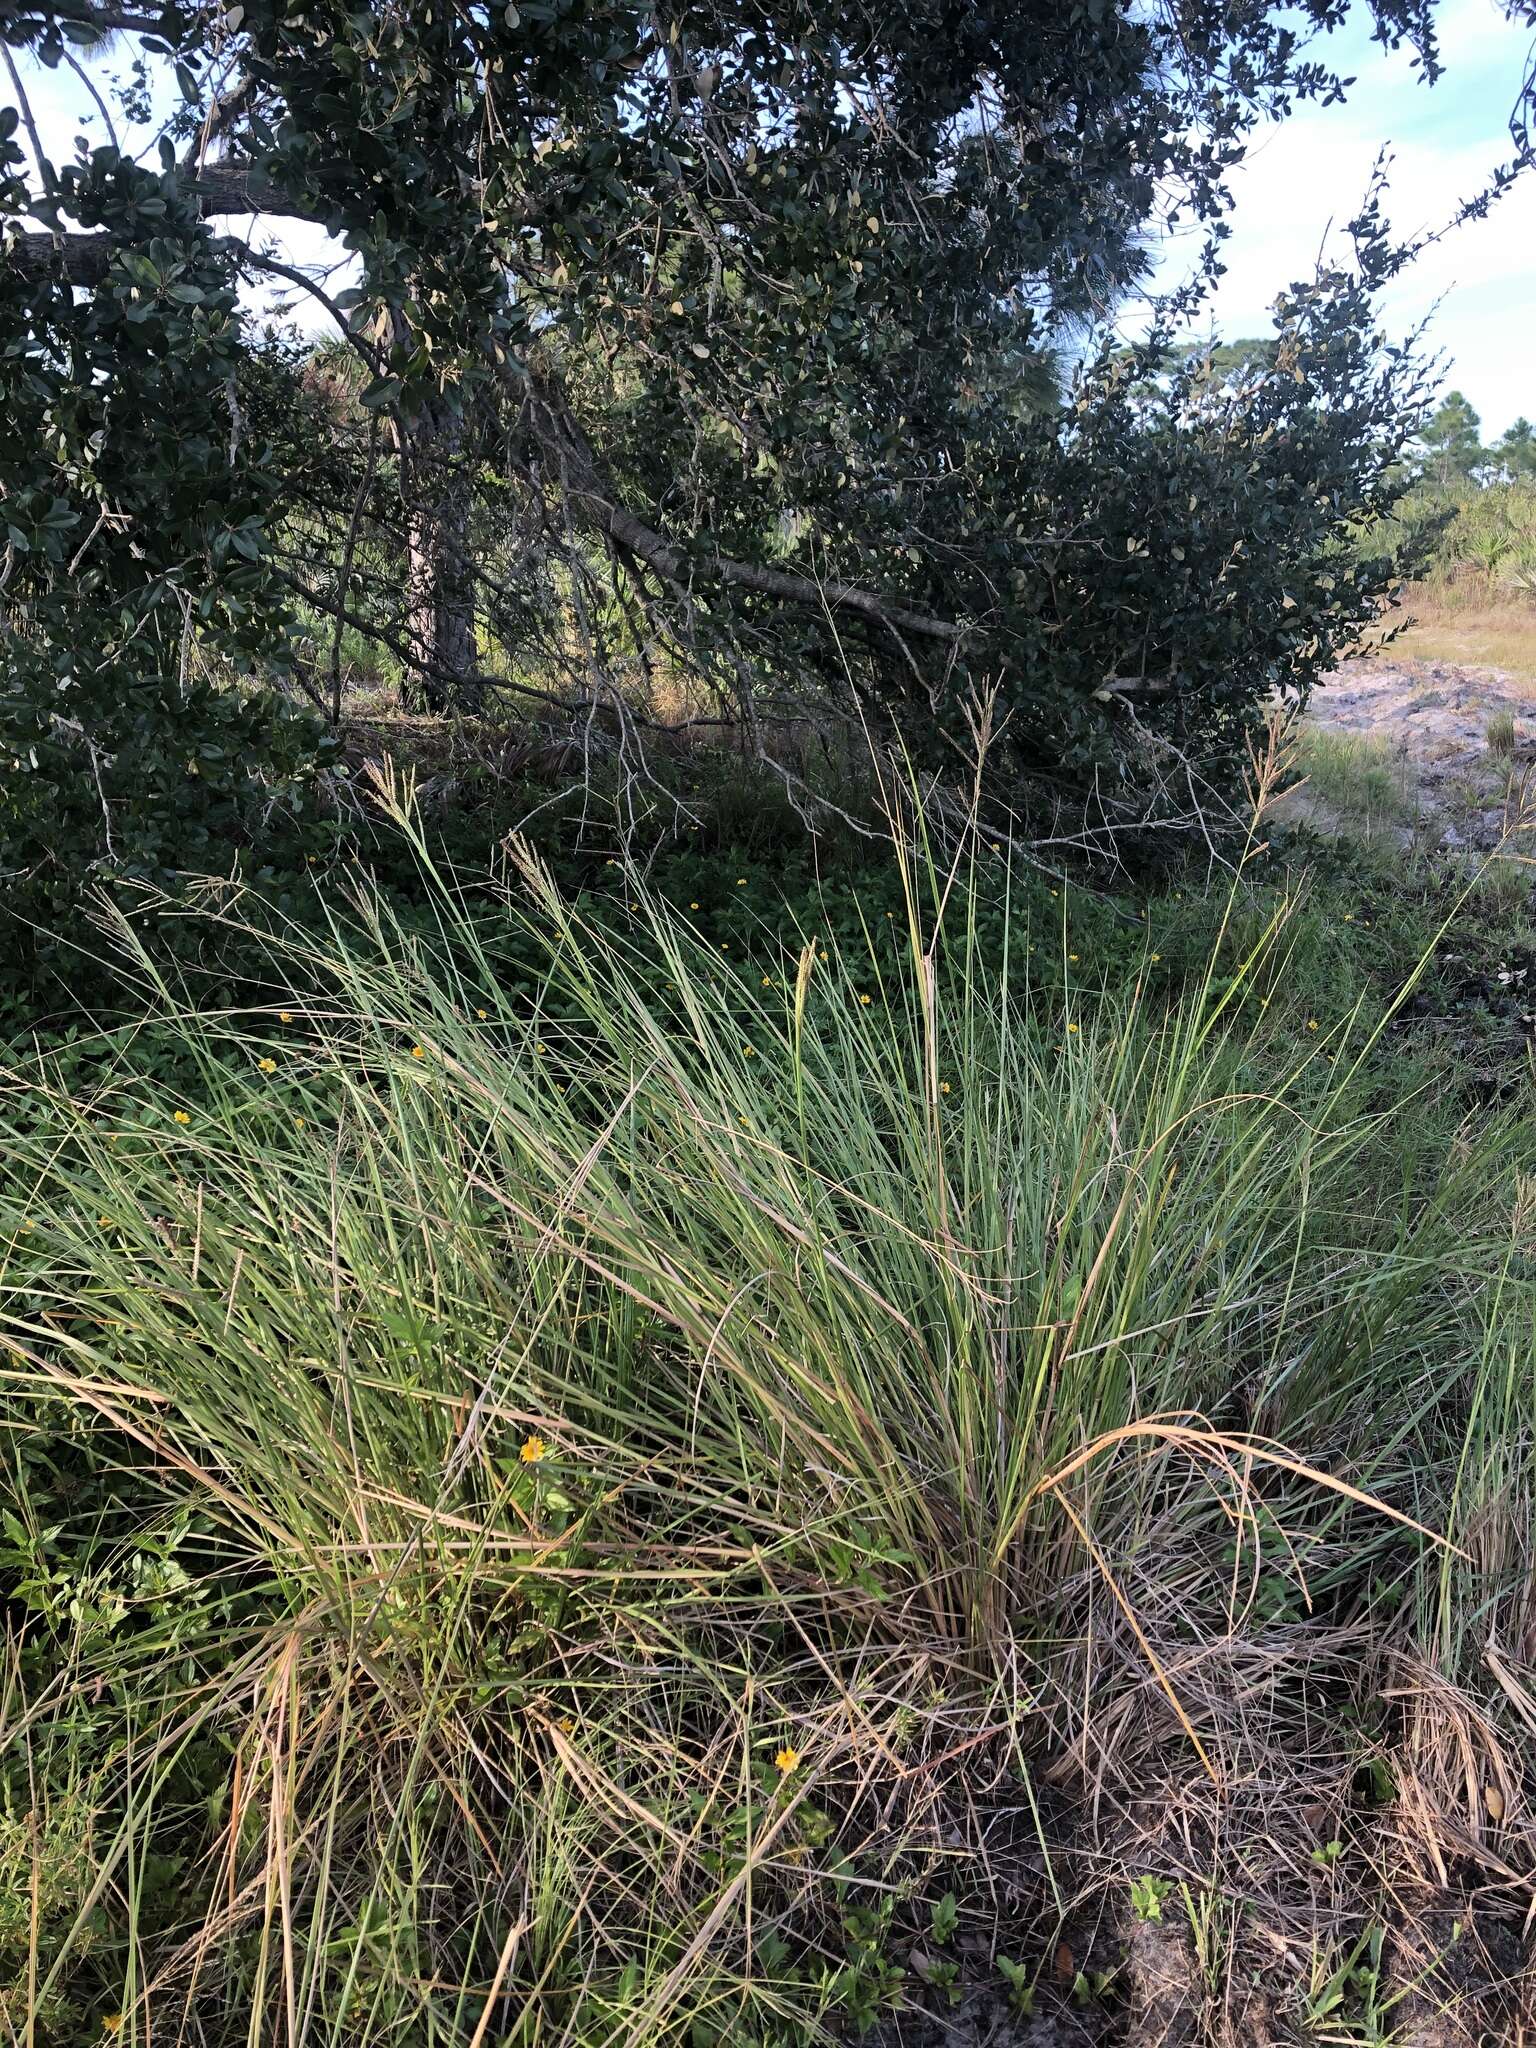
(741, 881)
(267, 1066)
(787, 1760)
(181, 1117)
(285, 1016)
(1072, 1027)
(943, 1087)
(1311, 1023)
(693, 906)
(534, 1450)
(298, 1123)
(482, 1014)
(866, 1000)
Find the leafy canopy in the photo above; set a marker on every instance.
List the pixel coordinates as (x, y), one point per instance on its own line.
(722, 340)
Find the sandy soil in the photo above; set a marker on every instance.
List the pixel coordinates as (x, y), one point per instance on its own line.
(1431, 718)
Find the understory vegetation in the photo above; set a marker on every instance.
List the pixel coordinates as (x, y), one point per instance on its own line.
(596, 1464)
(748, 1296)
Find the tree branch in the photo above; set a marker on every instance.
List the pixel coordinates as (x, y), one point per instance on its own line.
(221, 116)
(81, 259)
(105, 19)
(354, 340)
(240, 188)
(563, 442)
(223, 188)
(219, 189)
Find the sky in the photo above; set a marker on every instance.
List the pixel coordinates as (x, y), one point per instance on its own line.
(1309, 172)
(1303, 178)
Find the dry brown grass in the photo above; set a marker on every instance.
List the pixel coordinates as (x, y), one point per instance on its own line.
(1472, 627)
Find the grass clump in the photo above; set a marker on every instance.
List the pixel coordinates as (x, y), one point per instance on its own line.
(563, 1514)
(1500, 734)
(1363, 780)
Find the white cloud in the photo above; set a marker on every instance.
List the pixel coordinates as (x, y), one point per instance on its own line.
(1304, 178)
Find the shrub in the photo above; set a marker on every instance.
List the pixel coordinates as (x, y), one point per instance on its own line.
(137, 592)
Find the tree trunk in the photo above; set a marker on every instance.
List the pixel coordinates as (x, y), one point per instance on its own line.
(439, 595)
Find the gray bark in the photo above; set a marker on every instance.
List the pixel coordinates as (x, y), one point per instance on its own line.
(440, 599)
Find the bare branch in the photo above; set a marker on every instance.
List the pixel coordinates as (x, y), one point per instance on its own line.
(297, 277)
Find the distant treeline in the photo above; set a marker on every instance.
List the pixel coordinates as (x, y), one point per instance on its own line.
(1468, 524)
